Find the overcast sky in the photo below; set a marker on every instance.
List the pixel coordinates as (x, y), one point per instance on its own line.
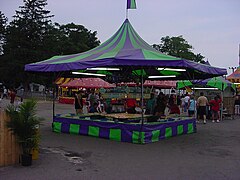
(212, 27)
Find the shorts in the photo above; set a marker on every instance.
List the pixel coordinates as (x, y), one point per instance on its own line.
(190, 113)
(215, 113)
(202, 110)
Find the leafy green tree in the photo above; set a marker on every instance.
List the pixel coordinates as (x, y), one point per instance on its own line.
(31, 37)
(3, 24)
(70, 39)
(24, 39)
(179, 47)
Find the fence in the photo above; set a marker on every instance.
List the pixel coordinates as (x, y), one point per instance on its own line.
(9, 148)
(38, 95)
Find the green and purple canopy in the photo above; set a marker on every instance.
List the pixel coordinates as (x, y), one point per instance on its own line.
(127, 51)
(215, 82)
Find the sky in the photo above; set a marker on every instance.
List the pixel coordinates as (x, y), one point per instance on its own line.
(212, 27)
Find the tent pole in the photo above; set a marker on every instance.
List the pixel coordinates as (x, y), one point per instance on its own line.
(221, 111)
(195, 115)
(142, 113)
(54, 94)
(194, 98)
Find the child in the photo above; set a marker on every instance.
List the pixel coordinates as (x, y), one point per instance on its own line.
(215, 104)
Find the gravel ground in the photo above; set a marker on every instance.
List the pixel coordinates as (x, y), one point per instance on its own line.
(211, 153)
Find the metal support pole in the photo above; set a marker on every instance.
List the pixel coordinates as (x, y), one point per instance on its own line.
(221, 111)
(54, 93)
(142, 112)
(53, 102)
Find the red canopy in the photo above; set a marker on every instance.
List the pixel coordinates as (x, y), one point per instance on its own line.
(88, 83)
(159, 84)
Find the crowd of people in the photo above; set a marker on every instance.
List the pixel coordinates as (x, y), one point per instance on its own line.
(176, 104)
(157, 105)
(15, 96)
(93, 102)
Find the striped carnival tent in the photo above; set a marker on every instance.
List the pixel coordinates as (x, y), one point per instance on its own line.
(88, 83)
(131, 56)
(62, 80)
(125, 57)
(235, 76)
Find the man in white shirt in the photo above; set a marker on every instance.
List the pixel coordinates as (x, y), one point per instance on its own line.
(186, 100)
(202, 103)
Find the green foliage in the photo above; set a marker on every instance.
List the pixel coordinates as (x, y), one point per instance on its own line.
(32, 37)
(24, 40)
(70, 39)
(23, 123)
(3, 24)
(178, 47)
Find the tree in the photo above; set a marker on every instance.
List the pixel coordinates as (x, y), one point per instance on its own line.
(179, 47)
(32, 37)
(3, 24)
(24, 38)
(70, 39)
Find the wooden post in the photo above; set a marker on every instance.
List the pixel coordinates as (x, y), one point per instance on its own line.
(9, 151)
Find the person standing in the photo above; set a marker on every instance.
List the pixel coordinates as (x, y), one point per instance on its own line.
(160, 104)
(182, 103)
(215, 104)
(92, 98)
(172, 105)
(186, 99)
(191, 106)
(151, 104)
(78, 103)
(5, 93)
(202, 103)
(12, 96)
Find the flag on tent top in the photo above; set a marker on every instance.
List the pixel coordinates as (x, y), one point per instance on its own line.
(131, 4)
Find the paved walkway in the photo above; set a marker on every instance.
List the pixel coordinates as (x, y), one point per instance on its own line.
(211, 153)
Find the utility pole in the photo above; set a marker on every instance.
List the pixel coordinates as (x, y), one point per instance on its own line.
(233, 68)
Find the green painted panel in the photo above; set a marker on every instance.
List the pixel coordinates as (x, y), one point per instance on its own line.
(155, 135)
(74, 128)
(57, 127)
(115, 134)
(93, 131)
(190, 128)
(136, 135)
(180, 129)
(168, 132)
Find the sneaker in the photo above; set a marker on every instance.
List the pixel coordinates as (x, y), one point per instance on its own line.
(213, 121)
(218, 121)
(204, 122)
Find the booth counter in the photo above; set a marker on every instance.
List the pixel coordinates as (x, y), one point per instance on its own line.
(66, 100)
(119, 128)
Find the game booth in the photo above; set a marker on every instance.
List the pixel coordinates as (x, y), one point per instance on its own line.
(125, 57)
(67, 90)
(212, 87)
